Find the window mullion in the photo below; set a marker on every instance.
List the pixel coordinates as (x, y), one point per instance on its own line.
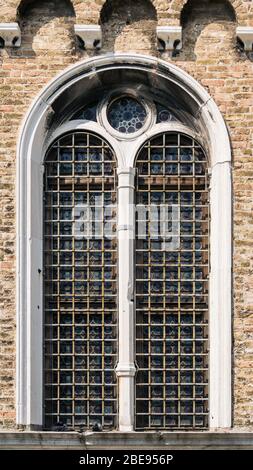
(126, 232)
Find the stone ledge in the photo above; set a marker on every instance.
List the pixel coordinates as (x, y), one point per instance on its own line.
(10, 35)
(169, 38)
(89, 36)
(245, 35)
(227, 440)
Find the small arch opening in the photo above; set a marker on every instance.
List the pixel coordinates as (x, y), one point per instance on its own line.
(208, 29)
(129, 25)
(36, 20)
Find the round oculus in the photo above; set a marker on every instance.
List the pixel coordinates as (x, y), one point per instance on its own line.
(126, 115)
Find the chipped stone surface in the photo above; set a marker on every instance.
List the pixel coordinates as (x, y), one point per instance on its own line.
(209, 54)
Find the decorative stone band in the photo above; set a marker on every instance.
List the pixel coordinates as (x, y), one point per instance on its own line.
(89, 36)
(10, 35)
(126, 370)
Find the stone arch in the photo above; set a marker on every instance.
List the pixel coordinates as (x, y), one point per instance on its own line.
(25, 4)
(242, 11)
(88, 11)
(12, 9)
(129, 25)
(208, 29)
(169, 10)
(222, 8)
(33, 140)
(36, 20)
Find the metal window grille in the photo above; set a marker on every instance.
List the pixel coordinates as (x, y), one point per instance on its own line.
(80, 293)
(172, 286)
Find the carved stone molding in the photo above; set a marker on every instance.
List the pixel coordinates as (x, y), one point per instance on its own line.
(169, 38)
(245, 35)
(10, 35)
(89, 36)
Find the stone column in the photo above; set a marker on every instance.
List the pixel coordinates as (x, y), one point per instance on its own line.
(126, 231)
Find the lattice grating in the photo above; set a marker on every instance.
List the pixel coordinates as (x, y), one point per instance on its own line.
(80, 285)
(172, 286)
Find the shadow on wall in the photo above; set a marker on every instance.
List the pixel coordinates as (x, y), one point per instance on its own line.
(129, 25)
(208, 30)
(46, 27)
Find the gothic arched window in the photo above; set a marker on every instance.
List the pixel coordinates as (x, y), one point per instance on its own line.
(171, 273)
(124, 252)
(80, 283)
(171, 278)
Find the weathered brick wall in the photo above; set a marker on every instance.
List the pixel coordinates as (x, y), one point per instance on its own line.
(209, 54)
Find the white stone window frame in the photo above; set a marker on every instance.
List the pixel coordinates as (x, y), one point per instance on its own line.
(31, 150)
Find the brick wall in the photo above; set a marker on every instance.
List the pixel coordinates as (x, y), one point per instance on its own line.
(209, 54)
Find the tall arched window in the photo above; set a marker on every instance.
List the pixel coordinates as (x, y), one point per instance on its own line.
(171, 273)
(80, 277)
(172, 283)
(124, 252)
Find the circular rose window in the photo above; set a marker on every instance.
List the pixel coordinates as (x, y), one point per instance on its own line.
(126, 115)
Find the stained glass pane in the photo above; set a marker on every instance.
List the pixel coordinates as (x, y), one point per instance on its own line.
(126, 115)
(172, 284)
(88, 113)
(80, 285)
(164, 114)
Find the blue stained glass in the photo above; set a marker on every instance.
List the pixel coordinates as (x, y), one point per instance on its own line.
(157, 392)
(126, 115)
(157, 420)
(163, 114)
(89, 113)
(95, 377)
(109, 379)
(65, 154)
(80, 391)
(80, 408)
(157, 361)
(65, 407)
(186, 391)
(172, 407)
(66, 348)
(66, 391)
(80, 361)
(171, 420)
(157, 348)
(172, 361)
(156, 407)
(156, 377)
(66, 377)
(187, 377)
(171, 391)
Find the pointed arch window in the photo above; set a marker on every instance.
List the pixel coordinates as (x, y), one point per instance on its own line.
(80, 284)
(171, 278)
(124, 314)
(171, 281)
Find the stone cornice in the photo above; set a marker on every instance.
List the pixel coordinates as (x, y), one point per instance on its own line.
(226, 440)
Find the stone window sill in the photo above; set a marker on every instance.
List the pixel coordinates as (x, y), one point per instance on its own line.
(205, 440)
